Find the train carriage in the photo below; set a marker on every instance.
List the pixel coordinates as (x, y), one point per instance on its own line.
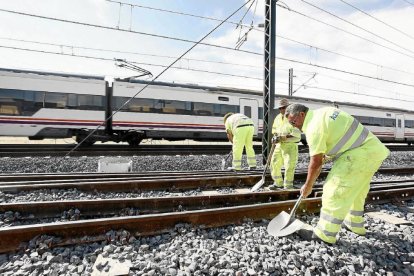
(52, 105)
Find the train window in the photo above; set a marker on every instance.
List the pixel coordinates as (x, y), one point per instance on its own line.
(174, 107)
(228, 108)
(178, 107)
(224, 99)
(20, 102)
(260, 113)
(409, 123)
(72, 101)
(399, 123)
(248, 111)
(389, 122)
(90, 102)
(55, 100)
(203, 109)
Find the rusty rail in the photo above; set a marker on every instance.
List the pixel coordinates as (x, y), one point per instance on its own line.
(13, 238)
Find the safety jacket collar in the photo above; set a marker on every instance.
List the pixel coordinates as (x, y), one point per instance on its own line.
(308, 118)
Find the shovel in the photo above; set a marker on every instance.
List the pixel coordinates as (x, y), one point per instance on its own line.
(285, 224)
(224, 160)
(262, 181)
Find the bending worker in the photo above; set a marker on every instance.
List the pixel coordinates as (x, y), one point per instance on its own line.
(357, 154)
(240, 130)
(286, 150)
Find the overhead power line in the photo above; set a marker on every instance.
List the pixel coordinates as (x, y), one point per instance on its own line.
(356, 26)
(364, 85)
(184, 14)
(280, 58)
(346, 56)
(345, 31)
(218, 73)
(260, 30)
(408, 2)
(126, 52)
(355, 93)
(135, 62)
(123, 30)
(203, 60)
(386, 24)
(206, 44)
(157, 76)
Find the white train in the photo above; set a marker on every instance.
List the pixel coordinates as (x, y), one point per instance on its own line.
(42, 105)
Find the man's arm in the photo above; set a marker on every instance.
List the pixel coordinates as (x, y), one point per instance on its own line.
(230, 136)
(314, 169)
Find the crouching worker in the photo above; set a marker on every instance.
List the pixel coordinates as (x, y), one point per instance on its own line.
(240, 130)
(357, 154)
(286, 149)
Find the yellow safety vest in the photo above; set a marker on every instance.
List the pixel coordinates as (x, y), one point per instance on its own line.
(332, 131)
(237, 120)
(282, 127)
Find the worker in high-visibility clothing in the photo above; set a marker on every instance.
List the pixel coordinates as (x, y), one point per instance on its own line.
(286, 150)
(357, 154)
(240, 130)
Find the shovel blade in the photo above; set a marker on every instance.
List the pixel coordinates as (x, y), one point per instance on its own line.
(223, 164)
(257, 185)
(282, 226)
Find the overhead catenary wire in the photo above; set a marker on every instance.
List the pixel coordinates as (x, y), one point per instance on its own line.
(156, 77)
(218, 46)
(135, 62)
(379, 20)
(280, 58)
(207, 61)
(282, 82)
(356, 26)
(124, 30)
(406, 1)
(345, 31)
(184, 14)
(250, 26)
(205, 44)
(364, 85)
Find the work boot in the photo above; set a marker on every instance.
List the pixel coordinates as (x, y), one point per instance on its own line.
(274, 187)
(362, 233)
(232, 169)
(289, 187)
(309, 235)
(252, 168)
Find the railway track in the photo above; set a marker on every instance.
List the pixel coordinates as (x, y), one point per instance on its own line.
(156, 215)
(25, 150)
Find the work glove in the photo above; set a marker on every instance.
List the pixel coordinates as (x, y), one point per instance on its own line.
(275, 139)
(282, 138)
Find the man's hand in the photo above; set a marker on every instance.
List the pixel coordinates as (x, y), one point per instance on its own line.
(275, 139)
(230, 136)
(306, 190)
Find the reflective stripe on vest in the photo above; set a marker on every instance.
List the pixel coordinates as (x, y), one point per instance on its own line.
(348, 134)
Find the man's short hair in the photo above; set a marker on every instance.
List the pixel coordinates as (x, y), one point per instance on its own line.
(295, 109)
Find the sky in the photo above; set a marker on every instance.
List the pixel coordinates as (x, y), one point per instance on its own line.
(361, 54)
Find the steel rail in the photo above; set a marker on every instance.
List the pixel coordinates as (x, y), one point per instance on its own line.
(164, 182)
(19, 150)
(105, 207)
(69, 233)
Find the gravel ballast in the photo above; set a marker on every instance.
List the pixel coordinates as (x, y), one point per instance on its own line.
(245, 249)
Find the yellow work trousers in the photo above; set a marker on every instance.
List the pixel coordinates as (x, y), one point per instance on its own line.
(243, 137)
(345, 190)
(285, 154)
